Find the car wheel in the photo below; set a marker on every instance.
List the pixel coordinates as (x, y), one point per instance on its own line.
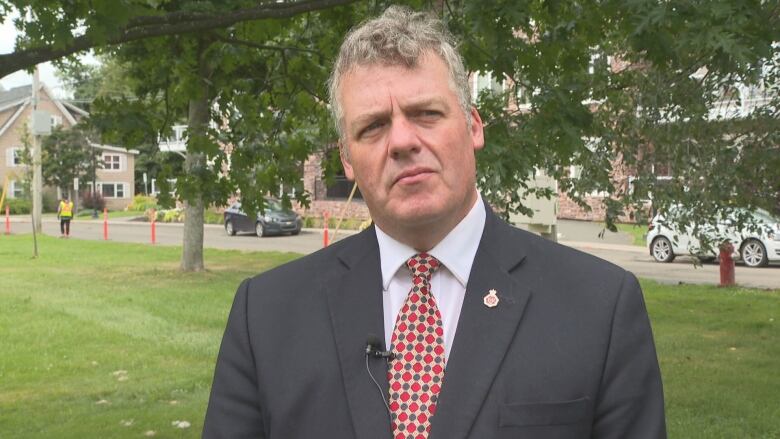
(259, 230)
(295, 232)
(753, 253)
(661, 249)
(229, 229)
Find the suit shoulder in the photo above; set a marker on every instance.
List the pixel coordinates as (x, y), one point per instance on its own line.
(308, 269)
(560, 255)
(570, 269)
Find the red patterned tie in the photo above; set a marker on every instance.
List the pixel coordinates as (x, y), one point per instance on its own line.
(417, 370)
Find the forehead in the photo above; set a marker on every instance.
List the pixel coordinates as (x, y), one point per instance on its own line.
(378, 82)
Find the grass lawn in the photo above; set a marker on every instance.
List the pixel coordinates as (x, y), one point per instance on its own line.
(639, 233)
(109, 339)
(103, 339)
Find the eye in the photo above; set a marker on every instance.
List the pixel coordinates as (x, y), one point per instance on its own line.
(371, 128)
(428, 115)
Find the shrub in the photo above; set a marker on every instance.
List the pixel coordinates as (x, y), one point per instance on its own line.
(92, 201)
(177, 216)
(18, 206)
(213, 217)
(348, 223)
(142, 203)
(170, 216)
(50, 201)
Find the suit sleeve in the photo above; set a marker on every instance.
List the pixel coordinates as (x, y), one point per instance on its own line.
(234, 407)
(631, 402)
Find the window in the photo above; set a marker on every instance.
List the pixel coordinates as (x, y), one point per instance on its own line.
(171, 184)
(523, 96)
(56, 120)
(15, 189)
(112, 190)
(485, 81)
(112, 162)
(14, 156)
(341, 187)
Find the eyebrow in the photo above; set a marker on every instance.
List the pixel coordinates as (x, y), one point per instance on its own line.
(425, 102)
(414, 105)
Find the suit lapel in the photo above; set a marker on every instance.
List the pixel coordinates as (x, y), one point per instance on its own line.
(483, 334)
(355, 301)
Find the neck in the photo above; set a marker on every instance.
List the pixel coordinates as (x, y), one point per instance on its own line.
(424, 236)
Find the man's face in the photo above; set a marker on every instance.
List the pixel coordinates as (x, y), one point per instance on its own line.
(409, 146)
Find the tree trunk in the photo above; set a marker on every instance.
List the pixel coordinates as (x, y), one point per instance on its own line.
(198, 118)
(192, 246)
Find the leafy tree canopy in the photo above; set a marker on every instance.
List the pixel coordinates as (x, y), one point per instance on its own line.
(681, 95)
(66, 154)
(50, 30)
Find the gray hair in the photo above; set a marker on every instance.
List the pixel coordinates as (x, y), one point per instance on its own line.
(400, 36)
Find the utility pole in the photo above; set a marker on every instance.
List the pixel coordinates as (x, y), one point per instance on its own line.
(37, 178)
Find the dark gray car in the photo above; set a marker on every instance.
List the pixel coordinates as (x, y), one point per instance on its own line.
(275, 221)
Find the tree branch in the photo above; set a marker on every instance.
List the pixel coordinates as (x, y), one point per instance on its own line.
(143, 27)
(265, 46)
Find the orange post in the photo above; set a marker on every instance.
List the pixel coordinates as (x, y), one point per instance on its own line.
(7, 219)
(154, 226)
(325, 241)
(105, 224)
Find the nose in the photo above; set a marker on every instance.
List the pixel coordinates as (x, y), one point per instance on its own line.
(402, 139)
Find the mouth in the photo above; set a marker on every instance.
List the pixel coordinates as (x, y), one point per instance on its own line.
(412, 176)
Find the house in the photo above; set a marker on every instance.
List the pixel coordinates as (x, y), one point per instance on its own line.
(115, 181)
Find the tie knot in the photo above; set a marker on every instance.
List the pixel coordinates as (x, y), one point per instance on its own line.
(423, 265)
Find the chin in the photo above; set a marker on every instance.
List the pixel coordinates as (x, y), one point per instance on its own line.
(418, 212)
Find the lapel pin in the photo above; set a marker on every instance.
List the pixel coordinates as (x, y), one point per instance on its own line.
(491, 299)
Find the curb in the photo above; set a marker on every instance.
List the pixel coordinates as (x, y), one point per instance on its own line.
(604, 246)
(20, 220)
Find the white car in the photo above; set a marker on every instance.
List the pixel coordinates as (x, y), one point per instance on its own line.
(755, 247)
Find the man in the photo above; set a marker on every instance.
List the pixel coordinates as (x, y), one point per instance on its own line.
(491, 332)
(65, 214)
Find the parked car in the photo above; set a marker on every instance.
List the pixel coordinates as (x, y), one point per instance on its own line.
(756, 246)
(276, 220)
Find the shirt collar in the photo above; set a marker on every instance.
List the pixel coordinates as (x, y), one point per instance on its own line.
(456, 251)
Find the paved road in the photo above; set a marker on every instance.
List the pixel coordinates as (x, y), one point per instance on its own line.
(581, 235)
(122, 230)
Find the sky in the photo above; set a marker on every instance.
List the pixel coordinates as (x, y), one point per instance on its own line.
(47, 76)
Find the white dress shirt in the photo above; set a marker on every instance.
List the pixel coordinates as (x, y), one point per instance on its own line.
(448, 284)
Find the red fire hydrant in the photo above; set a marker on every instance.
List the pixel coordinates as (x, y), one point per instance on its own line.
(726, 264)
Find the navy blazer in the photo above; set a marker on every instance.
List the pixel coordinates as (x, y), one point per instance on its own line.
(567, 353)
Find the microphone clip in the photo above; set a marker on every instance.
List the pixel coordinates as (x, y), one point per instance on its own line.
(374, 350)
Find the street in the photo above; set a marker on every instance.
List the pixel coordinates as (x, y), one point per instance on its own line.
(580, 235)
(638, 261)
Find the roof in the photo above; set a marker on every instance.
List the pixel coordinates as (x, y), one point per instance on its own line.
(15, 94)
(114, 148)
(19, 98)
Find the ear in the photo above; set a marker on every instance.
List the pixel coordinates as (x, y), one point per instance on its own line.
(344, 156)
(477, 133)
